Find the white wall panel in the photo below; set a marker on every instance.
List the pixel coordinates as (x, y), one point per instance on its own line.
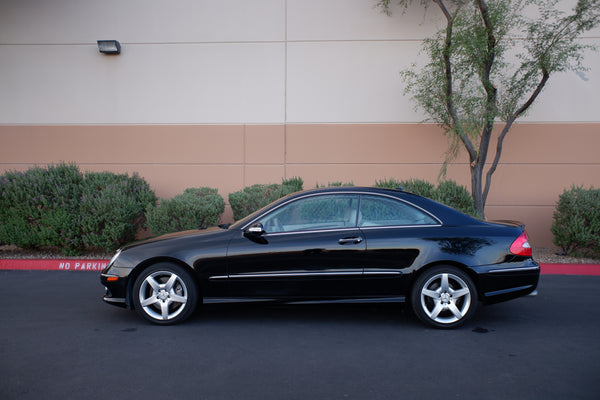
(185, 83)
(572, 96)
(348, 82)
(140, 21)
(357, 20)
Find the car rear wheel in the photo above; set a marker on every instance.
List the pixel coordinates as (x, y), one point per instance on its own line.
(165, 294)
(444, 297)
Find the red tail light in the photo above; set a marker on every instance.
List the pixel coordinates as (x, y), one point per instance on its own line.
(521, 246)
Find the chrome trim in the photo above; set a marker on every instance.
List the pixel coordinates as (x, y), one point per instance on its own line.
(217, 277)
(311, 231)
(300, 274)
(296, 274)
(114, 299)
(509, 290)
(382, 273)
(522, 269)
(109, 275)
(399, 226)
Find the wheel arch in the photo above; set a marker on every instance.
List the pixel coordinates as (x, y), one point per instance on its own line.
(138, 269)
(449, 263)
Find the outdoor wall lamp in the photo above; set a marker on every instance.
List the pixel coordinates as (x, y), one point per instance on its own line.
(109, 46)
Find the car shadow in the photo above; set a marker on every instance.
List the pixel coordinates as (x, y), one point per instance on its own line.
(277, 312)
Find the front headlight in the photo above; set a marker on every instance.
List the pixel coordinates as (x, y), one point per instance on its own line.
(114, 258)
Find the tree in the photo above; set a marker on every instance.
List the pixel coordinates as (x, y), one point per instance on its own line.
(488, 66)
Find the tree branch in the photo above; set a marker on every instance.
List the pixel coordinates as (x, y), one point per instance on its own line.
(448, 83)
(507, 126)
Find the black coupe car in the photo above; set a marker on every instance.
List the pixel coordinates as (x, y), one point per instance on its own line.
(336, 244)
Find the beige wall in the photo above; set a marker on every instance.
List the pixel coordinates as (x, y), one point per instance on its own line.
(539, 162)
(227, 94)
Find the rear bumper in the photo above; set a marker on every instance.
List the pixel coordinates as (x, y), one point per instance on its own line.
(506, 281)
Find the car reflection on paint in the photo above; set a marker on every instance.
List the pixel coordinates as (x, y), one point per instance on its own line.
(336, 244)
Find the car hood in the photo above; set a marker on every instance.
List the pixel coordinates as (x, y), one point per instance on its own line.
(177, 236)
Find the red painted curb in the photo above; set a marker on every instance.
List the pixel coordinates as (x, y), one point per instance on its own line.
(99, 265)
(53, 264)
(570, 269)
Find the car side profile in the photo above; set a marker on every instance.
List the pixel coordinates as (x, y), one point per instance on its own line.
(335, 244)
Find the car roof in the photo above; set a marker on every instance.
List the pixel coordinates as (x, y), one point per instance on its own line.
(447, 215)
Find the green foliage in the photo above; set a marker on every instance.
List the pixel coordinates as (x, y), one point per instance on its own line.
(255, 197)
(195, 208)
(469, 82)
(447, 192)
(576, 222)
(335, 184)
(39, 207)
(112, 208)
(456, 196)
(61, 207)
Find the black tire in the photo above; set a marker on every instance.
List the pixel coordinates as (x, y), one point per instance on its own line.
(444, 297)
(165, 294)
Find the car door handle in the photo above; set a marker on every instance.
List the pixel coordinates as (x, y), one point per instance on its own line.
(350, 240)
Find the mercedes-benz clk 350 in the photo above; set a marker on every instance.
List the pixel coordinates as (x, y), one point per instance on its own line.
(336, 244)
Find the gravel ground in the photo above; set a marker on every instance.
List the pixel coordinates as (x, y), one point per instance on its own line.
(545, 255)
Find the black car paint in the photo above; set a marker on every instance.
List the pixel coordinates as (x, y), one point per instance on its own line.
(350, 263)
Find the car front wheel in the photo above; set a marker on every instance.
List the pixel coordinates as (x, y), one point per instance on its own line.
(165, 294)
(444, 297)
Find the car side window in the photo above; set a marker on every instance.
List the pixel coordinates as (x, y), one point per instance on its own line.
(313, 213)
(384, 211)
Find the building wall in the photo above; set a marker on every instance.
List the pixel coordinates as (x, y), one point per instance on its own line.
(227, 94)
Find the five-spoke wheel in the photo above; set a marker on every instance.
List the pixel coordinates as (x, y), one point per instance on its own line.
(444, 297)
(164, 294)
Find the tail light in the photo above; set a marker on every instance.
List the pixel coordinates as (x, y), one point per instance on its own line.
(521, 246)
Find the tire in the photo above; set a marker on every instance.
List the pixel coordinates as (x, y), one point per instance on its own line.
(444, 297)
(165, 294)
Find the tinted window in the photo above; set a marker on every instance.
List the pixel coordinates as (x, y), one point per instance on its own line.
(383, 211)
(313, 213)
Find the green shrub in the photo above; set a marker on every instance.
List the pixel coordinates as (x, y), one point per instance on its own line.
(335, 184)
(447, 192)
(456, 196)
(112, 208)
(61, 207)
(576, 222)
(255, 197)
(40, 207)
(195, 208)
(388, 183)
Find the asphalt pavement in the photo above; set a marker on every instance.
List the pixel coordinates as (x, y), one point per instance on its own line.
(58, 340)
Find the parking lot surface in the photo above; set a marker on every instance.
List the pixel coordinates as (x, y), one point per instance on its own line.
(59, 340)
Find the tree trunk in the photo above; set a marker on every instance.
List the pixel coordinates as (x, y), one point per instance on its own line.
(477, 188)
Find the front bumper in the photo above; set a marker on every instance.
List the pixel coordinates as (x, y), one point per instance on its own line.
(115, 289)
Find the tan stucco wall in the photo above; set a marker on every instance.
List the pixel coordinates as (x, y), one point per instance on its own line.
(540, 160)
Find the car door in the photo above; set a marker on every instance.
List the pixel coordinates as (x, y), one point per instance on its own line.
(396, 234)
(308, 247)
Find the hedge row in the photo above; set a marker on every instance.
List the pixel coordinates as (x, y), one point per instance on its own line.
(255, 197)
(62, 207)
(446, 192)
(195, 208)
(576, 222)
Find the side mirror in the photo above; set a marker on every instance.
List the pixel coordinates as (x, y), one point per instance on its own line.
(255, 233)
(256, 229)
